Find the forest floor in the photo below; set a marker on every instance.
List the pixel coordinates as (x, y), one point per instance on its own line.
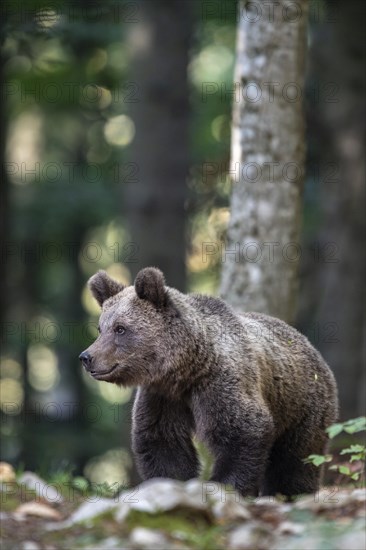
(166, 514)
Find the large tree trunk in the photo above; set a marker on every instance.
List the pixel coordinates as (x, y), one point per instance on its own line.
(155, 200)
(332, 305)
(260, 263)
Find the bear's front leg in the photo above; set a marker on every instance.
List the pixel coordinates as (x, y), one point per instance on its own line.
(239, 434)
(162, 437)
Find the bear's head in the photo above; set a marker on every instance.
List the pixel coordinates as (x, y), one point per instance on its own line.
(139, 329)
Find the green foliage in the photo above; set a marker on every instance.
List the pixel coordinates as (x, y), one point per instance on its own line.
(356, 452)
(318, 460)
(350, 426)
(66, 482)
(345, 470)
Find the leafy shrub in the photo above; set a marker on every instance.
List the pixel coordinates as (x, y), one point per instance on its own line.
(354, 468)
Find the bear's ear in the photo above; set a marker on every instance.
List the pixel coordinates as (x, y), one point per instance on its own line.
(149, 285)
(103, 287)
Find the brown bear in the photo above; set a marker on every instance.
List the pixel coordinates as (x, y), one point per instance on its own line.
(250, 387)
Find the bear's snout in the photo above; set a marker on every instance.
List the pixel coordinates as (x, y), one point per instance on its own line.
(86, 359)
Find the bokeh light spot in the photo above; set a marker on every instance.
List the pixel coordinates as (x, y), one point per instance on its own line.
(119, 130)
(43, 373)
(11, 396)
(111, 467)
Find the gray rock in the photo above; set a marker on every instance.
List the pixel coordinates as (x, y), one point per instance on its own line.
(162, 495)
(89, 510)
(194, 491)
(241, 538)
(251, 535)
(230, 509)
(86, 512)
(29, 545)
(328, 499)
(272, 502)
(122, 512)
(46, 491)
(148, 538)
(359, 495)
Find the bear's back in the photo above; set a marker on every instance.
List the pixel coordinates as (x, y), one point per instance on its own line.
(274, 361)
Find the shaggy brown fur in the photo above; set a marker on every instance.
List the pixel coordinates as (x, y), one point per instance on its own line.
(249, 386)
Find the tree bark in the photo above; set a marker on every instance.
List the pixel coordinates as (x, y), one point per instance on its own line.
(260, 262)
(155, 200)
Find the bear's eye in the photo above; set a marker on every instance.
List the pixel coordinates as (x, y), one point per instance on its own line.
(119, 329)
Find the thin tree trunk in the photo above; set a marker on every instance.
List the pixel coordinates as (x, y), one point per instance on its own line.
(260, 262)
(155, 200)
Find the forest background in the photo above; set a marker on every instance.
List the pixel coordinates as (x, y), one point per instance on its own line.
(115, 123)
